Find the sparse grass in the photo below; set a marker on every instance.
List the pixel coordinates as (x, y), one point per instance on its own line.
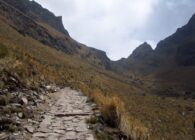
(3, 51)
(108, 108)
(115, 114)
(121, 100)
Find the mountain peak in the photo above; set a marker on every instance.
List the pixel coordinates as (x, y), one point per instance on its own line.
(144, 47)
(145, 44)
(192, 19)
(142, 51)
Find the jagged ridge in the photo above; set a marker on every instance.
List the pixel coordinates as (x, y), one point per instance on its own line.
(38, 13)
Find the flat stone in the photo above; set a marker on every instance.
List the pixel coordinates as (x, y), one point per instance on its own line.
(44, 130)
(90, 137)
(52, 137)
(40, 135)
(47, 120)
(69, 129)
(30, 129)
(53, 134)
(59, 131)
(81, 129)
(68, 118)
(3, 136)
(75, 120)
(71, 133)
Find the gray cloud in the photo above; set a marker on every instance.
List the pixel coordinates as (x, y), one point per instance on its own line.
(119, 26)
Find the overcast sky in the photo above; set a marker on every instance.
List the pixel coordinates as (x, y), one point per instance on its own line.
(119, 26)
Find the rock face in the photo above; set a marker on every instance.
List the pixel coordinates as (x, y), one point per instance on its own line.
(28, 27)
(171, 44)
(142, 52)
(177, 50)
(179, 47)
(99, 57)
(38, 13)
(186, 54)
(33, 21)
(141, 60)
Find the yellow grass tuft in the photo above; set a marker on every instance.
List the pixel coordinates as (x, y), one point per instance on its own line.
(116, 115)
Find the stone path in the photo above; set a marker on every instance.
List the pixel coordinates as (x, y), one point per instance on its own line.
(66, 118)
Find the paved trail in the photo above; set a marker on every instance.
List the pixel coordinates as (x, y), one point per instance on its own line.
(66, 118)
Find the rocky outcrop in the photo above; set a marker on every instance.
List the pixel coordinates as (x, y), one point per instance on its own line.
(177, 50)
(38, 13)
(140, 61)
(180, 46)
(169, 46)
(29, 14)
(142, 52)
(98, 57)
(186, 54)
(28, 27)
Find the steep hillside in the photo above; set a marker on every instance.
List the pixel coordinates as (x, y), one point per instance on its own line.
(35, 11)
(171, 62)
(176, 56)
(45, 33)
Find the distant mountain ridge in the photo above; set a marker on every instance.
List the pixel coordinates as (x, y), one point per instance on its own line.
(180, 44)
(175, 51)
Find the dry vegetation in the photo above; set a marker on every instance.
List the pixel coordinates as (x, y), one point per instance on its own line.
(123, 103)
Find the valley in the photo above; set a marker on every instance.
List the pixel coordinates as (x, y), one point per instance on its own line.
(148, 96)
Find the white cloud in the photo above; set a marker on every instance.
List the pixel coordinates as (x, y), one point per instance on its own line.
(111, 25)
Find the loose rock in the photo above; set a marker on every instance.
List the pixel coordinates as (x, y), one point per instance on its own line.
(24, 101)
(30, 129)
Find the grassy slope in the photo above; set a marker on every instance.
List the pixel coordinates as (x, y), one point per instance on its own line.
(145, 115)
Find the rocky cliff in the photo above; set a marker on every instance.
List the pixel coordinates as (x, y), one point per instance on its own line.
(142, 52)
(177, 50)
(33, 20)
(180, 45)
(29, 27)
(38, 13)
(141, 61)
